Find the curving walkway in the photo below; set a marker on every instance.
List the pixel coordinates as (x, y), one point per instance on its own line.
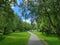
(34, 40)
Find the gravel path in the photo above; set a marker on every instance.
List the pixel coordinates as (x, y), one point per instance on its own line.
(34, 40)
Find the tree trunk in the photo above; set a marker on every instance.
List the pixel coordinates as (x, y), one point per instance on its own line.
(13, 30)
(5, 31)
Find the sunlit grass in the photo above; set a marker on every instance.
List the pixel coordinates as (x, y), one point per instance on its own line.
(18, 38)
(51, 40)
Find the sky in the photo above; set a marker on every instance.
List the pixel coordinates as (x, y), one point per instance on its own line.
(16, 8)
(18, 11)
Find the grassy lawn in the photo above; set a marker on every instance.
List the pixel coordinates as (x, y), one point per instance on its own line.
(51, 40)
(17, 38)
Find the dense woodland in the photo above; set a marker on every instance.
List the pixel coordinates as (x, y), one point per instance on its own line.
(44, 15)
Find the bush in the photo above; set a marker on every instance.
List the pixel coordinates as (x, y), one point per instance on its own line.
(1, 37)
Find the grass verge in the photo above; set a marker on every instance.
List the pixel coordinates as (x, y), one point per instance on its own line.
(51, 40)
(17, 38)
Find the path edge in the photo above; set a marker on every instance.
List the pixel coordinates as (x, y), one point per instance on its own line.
(43, 41)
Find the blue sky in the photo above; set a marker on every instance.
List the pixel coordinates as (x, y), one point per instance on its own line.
(18, 11)
(16, 8)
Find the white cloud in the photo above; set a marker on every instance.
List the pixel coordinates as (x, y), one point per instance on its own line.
(12, 5)
(9, 0)
(25, 0)
(27, 20)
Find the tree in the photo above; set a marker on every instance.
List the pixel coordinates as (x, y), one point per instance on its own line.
(7, 16)
(47, 10)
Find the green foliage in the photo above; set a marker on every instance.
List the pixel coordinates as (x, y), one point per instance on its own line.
(46, 13)
(24, 26)
(2, 37)
(8, 20)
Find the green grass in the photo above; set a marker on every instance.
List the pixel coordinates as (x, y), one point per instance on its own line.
(17, 38)
(51, 40)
